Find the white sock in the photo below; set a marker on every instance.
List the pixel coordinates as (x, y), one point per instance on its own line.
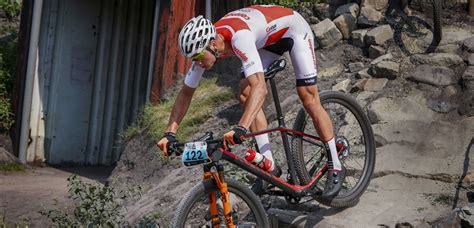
(335, 159)
(264, 147)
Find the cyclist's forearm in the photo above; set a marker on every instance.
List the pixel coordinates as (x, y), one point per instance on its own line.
(254, 103)
(180, 108)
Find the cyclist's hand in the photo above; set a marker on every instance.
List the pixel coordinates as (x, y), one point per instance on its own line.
(168, 137)
(235, 136)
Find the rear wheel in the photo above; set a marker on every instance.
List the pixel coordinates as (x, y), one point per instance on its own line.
(352, 128)
(193, 210)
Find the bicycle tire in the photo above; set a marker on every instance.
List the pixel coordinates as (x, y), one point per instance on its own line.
(415, 36)
(438, 33)
(351, 197)
(208, 186)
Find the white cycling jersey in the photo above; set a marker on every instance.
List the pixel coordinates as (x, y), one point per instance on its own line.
(259, 35)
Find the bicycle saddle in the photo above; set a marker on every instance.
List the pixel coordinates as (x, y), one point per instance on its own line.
(275, 67)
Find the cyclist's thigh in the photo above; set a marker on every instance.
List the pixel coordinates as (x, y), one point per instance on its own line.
(304, 60)
(267, 58)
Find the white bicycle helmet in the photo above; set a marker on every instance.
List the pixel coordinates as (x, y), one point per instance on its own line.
(195, 36)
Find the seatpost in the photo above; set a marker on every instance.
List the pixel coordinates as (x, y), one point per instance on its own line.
(276, 99)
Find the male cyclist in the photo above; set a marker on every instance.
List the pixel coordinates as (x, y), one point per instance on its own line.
(257, 35)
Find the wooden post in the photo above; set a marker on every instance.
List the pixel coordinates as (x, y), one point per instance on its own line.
(471, 7)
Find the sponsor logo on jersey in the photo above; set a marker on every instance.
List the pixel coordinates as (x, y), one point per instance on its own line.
(309, 75)
(248, 65)
(242, 55)
(244, 16)
(310, 81)
(246, 10)
(271, 28)
(310, 44)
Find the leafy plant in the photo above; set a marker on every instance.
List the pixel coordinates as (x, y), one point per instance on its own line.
(11, 8)
(97, 205)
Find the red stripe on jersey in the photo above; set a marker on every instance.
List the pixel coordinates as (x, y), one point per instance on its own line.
(273, 38)
(272, 13)
(235, 23)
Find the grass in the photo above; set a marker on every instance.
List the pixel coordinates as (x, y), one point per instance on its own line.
(12, 167)
(154, 118)
(443, 199)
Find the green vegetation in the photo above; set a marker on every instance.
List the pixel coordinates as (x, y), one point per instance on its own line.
(97, 205)
(12, 167)
(8, 49)
(444, 199)
(154, 118)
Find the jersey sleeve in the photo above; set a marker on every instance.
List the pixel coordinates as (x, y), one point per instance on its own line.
(193, 76)
(243, 44)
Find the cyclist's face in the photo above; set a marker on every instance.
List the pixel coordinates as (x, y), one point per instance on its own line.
(207, 61)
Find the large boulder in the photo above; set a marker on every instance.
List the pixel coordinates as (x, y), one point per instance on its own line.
(321, 11)
(379, 35)
(385, 69)
(438, 59)
(433, 75)
(351, 8)
(358, 37)
(369, 17)
(378, 5)
(346, 23)
(470, 60)
(468, 78)
(327, 34)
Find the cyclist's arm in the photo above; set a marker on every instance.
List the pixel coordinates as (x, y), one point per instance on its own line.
(244, 47)
(258, 91)
(183, 100)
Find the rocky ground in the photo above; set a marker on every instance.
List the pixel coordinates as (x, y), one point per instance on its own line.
(420, 107)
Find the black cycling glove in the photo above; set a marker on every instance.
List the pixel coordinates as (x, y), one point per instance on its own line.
(171, 139)
(239, 131)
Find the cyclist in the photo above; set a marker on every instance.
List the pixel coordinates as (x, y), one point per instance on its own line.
(257, 35)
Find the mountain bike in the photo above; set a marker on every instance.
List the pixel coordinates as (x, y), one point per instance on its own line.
(413, 34)
(218, 200)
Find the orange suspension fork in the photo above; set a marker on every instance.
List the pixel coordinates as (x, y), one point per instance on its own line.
(222, 185)
(212, 204)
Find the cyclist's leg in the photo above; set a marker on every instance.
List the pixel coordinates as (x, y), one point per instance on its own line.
(303, 58)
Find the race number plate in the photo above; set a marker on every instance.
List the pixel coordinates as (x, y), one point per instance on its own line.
(195, 153)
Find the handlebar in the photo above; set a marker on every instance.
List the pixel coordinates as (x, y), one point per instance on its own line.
(177, 148)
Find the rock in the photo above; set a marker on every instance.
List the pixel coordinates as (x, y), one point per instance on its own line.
(468, 44)
(327, 33)
(364, 97)
(385, 69)
(359, 85)
(321, 11)
(438, 59)
(358, 37)
(441, 106)
(6, 157)
(346, 23)
(454, 35)
(342, 86)
(449, 48)
(376, 51)
(470, 60)
(351, 8)
(466, 214)
(331, 71)
(385, 57)
(357, 66)
(379, 5)
(433, 75)
(369, 17)
(375, 84)
(468, 74)
(397, 110)
(379, 35)
(450, 91)
(363, 74)
(469, 178)
(305, 12)
(467, 105)
(313, 20)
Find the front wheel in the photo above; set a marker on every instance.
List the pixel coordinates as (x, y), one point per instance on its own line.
(351, 128)
(193, 210)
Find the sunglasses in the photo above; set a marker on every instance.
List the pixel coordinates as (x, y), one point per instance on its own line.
(199, 56)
